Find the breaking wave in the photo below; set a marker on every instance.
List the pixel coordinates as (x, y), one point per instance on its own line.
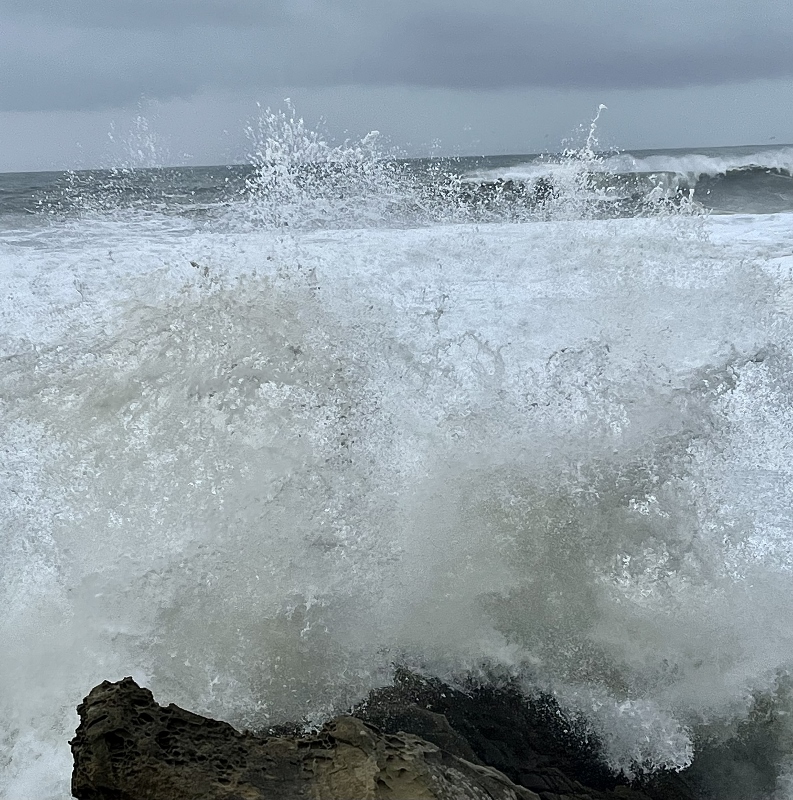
(258, 457)
(687, 163)
(738, 180)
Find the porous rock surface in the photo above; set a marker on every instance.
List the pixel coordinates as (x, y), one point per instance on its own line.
(127, 747)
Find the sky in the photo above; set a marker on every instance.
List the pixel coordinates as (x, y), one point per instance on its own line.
(90, 83)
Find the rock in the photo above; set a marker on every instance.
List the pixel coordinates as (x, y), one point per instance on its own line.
(529, 739)
(416, 740)
(127, 747)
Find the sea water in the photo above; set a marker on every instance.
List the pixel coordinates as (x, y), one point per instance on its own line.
(269, 430)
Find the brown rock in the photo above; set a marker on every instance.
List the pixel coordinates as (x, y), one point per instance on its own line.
(129, 748)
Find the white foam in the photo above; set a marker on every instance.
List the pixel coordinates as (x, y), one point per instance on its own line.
(256, 483)
(691, 165)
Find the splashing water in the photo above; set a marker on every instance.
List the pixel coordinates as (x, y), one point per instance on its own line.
(141, 146)
(582, 182)
(344, 437)
(301, 180)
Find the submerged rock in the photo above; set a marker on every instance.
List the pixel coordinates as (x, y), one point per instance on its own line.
(431, 743)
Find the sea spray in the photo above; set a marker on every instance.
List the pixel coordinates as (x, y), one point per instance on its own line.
(257, 481)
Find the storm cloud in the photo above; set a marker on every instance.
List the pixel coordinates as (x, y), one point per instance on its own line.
(87, 54)
(574, 47)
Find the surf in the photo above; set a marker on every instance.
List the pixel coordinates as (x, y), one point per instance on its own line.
(258, 457)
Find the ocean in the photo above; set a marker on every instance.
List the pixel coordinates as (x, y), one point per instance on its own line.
(269, 430)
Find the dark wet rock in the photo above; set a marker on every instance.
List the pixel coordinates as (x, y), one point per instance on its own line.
(748, 759)
(419, 738)
(529, 739)
(129, 748)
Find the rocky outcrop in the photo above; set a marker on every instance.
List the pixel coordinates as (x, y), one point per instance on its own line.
(127, 747)
(419, 739)
(529, 739)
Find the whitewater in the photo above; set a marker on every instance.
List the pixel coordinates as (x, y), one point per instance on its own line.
(268, 432)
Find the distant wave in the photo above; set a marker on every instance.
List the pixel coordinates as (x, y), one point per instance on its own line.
(691, 165)
(743, 180)
(700, 164)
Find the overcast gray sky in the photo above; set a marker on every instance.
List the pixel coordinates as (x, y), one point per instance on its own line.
(432, 75)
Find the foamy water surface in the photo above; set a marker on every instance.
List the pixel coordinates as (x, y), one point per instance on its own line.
(256, 481)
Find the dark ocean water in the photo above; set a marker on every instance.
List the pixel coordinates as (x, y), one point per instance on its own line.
(721, 180)
(268, 430)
